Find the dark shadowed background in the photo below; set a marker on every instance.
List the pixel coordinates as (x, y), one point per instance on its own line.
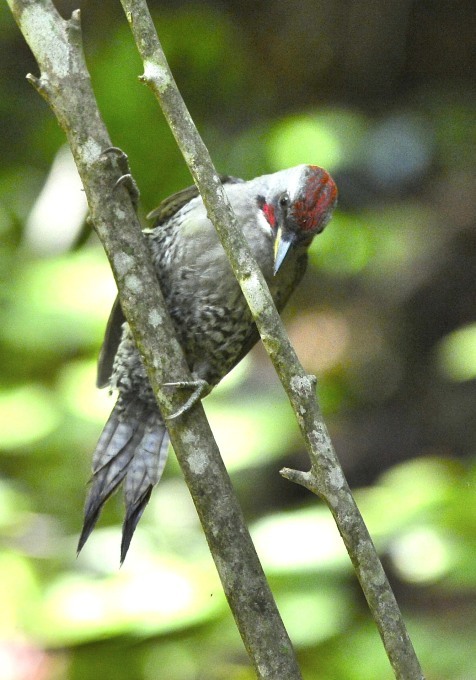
(383, 95)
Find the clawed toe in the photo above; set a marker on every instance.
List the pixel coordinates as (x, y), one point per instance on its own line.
(129, 183)
(125, 180)
(121, 156)
(200, 389)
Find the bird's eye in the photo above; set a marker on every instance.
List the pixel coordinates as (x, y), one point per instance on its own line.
(284, 201)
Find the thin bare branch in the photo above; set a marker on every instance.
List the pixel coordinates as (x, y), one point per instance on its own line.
(326, 477)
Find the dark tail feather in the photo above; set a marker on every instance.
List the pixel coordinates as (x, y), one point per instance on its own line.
(133, 446)
(148, 465)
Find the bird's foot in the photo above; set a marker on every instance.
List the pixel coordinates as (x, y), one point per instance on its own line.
(128, 182)
(200, 389)
(125, 180)
(121, 157)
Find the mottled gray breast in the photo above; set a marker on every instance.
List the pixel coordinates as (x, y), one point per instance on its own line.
(212, 318)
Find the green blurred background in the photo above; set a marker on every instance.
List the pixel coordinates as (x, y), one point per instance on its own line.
(383, 95)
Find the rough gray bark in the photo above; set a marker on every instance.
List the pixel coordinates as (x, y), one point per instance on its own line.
(325, 478)
(65, 84)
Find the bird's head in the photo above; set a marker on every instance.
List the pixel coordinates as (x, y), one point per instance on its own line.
(299, 204)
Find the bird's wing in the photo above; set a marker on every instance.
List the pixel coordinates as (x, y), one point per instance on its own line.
(111, 341)
(173, 203)
(112, 337)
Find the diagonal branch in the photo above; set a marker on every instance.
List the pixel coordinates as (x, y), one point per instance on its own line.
(65, 84)
(326, 477)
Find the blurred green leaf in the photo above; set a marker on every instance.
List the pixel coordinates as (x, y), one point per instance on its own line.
(60, 304)
(77, 390)
(155, 596)
(19, 591)
(314, 614)
(13, 505)
(27, 414)
(346, 248)
(252, 430)
(299, 541)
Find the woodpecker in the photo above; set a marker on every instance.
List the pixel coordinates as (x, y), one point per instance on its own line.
(279, 215)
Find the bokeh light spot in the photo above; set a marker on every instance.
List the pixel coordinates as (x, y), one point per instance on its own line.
(303, 139)
(26, 415)
(456, 354)
(421, 555)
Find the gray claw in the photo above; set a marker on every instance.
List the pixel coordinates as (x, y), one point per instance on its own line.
(200, 390)
(126, 180)
(129, 183)
(122, 157)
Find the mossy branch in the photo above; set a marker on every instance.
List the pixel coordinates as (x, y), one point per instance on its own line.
(65, 84)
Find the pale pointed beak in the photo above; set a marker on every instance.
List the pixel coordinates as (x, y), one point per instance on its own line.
(281, 249)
